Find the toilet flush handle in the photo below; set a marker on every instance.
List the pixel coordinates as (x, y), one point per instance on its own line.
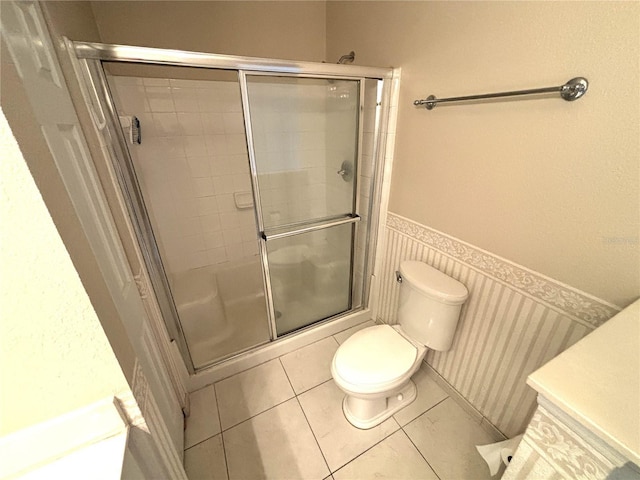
(398, 276)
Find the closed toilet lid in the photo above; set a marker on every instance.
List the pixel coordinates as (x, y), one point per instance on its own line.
(375, 355)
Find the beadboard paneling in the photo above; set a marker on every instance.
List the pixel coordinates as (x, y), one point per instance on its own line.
(514, 321)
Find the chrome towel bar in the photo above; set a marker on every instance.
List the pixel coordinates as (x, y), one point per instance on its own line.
(572, 90)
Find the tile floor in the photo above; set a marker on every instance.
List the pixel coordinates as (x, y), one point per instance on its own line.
(283, 420)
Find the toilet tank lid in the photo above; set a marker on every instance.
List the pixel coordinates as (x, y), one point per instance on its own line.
(433, 283)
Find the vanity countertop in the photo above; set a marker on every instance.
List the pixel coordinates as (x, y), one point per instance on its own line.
(597, 382)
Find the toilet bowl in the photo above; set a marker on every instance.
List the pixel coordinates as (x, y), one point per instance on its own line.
(374, 366)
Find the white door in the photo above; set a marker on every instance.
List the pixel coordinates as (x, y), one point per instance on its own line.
(25, 33)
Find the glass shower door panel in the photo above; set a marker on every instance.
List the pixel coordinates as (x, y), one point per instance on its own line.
(305, 139)
(192, 168)
(310, 276)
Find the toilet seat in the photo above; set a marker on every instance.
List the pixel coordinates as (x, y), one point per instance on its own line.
(375, 359)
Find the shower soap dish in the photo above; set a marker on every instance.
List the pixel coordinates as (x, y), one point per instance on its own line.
(243, 200)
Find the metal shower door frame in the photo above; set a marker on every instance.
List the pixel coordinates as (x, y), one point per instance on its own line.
(91, 56)
(106, 119)
(299, 228)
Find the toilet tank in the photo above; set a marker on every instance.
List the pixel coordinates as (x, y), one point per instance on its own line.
(430, 304)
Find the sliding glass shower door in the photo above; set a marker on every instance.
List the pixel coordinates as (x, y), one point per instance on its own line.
(191, 168)
(304, 140)
(252, 186)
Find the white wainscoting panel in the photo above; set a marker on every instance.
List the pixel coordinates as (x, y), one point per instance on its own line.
(514, 321)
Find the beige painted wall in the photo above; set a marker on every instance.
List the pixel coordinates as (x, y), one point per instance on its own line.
(553, 186)
(550, 185)
(54, 355)
(289, 30)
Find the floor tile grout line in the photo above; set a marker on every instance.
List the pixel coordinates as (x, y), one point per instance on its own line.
(427, 410)
(434, 406)
(239, 373)
(287, 375)
(331, 472)
(314, 436)
(226, 459)
(365, 451)
(311, 388)
(270, 360)
(222, 430)
(202, 441)
(305, 414)
(421, 454)
(400, 427)
(289, 378)
(218, 415)
(411, 440)
(224, 449)
(312, 343)
(215, 396)
(259, 413)
(297, 395)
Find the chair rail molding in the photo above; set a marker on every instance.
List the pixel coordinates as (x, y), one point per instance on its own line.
(514, 321)
(584, 308)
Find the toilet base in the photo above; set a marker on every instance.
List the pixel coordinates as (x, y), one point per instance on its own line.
(367, 413)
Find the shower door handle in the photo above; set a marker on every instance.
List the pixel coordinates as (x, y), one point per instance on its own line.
(352, 218)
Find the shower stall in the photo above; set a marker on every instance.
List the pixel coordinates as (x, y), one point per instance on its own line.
(253, 186)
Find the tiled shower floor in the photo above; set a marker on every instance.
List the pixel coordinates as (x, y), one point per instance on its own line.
(283, 420)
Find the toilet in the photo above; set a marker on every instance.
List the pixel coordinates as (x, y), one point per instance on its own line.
(374, 366)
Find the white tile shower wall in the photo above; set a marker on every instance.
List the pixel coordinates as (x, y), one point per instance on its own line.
(192, 160)
(514, 321)
(289, 132)
(342, 109)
